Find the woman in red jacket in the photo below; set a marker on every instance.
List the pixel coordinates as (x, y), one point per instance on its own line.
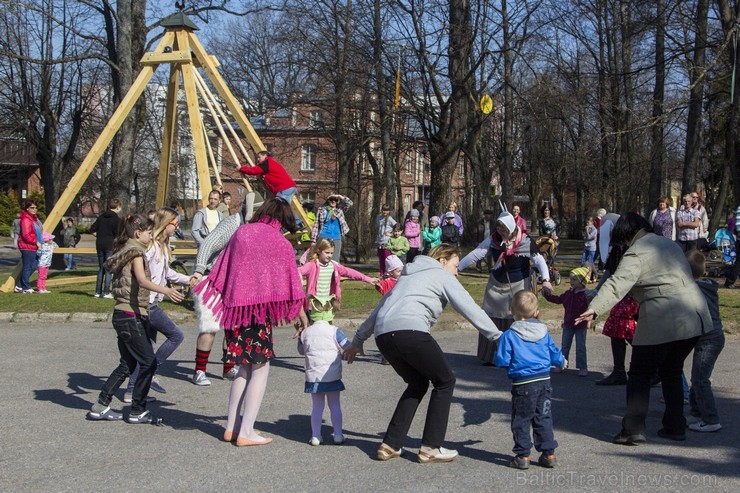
(28, 243)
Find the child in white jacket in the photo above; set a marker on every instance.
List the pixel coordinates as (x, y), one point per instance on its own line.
(322, 345)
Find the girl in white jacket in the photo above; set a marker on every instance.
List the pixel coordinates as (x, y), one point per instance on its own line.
(322, 345)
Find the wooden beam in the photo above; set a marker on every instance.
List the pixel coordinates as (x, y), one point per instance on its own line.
(199, 145)
(172, 57)
(168, 136)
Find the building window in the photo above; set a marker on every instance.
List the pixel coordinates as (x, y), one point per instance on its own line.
(408, 163)
(407, 202)
(461, 165)
(317, 119)
(308, 157)
(307, 197)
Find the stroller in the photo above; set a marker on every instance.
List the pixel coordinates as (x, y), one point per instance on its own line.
(722, 252)
(549, 250)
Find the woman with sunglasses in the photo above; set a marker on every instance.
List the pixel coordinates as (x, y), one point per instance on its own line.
(29, 243)
(158, 260)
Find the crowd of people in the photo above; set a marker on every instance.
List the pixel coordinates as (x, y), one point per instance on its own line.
(246, 281)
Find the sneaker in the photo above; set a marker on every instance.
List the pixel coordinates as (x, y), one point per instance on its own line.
(200, 379)
(128, 398)
(520, 462)
(144, 418)
(582, 373)
(29, 291)
(440, 454)
(315, 441)
(338, 439)
(18, 289)
(44, 291)
(706, 427)
(547, 460)
(156, 386)
(231, 374)
(100, 413)
(108, 296)
(96, 295)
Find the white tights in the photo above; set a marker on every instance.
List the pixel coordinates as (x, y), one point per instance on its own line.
(247, 391)
(335, 410)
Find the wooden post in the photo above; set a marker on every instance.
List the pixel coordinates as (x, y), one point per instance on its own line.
(168, 136)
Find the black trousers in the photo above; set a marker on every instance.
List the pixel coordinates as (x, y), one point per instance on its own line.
(668, 360)
(419, 360)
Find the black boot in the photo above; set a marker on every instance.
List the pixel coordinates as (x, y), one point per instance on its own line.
(616, 378)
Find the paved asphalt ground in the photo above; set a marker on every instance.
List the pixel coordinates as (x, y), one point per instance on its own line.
(52, 374)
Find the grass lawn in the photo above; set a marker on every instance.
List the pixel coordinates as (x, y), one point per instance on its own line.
(358, 298)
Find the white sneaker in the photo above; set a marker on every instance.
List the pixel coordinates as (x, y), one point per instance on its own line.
(44, 291)
(108, 296)
(200, 379)
(96, 295)
(28, 291)
(157, 386)
(314, 441)
(18, 289)
(702, 426)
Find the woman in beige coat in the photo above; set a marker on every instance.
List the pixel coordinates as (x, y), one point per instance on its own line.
(673, 314)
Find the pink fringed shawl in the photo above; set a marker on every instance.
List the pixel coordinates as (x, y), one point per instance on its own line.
(254, 280)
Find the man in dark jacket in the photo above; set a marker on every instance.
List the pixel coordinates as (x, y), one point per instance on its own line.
(105, 229)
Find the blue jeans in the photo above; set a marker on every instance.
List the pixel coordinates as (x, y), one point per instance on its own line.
(531, 408)
(581, 359)
(30, 263)
(287, 194)
(135, 347)
(160, 322)
(588, 257)
(102, 273)
(69, 260)
(701, 398)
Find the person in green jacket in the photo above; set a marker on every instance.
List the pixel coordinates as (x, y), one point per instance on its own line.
(432, 235)
(397, 243)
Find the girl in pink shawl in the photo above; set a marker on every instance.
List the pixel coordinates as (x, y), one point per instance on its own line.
(253, 285)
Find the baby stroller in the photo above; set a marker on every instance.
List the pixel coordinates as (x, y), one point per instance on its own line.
(722, 251)
(549, 250)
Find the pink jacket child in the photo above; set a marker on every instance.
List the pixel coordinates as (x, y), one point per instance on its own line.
(412, 232)
(310, 271)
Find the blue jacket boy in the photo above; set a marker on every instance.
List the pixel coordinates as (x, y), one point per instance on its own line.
(528, 351)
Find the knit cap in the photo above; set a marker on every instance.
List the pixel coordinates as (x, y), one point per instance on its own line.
(582, 274)
(413, 213)
(392, 262)
(435, 219)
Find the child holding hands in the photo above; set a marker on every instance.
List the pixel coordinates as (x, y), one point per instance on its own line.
(322, 343)
(528, 351)
(131, 286)
(323, 277)
(575, 302)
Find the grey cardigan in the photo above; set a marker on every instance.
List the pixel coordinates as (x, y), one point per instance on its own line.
(655, 270)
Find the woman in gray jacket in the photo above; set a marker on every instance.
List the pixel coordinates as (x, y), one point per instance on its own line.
(673, 314)
(402, 323)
